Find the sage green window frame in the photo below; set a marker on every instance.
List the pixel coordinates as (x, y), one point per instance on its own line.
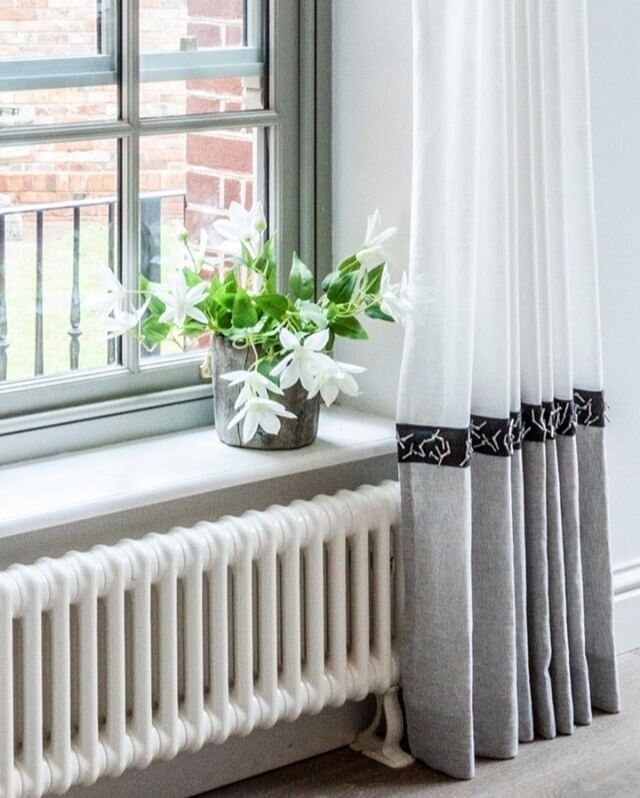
(43, 416)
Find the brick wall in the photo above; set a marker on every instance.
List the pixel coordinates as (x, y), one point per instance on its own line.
(214, 169)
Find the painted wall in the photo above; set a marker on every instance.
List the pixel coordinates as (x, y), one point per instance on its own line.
(372, 167)
(615, 70)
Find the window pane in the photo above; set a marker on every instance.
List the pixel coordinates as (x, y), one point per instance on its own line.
(183, 24)
(200, 56)
(190, 180)
(58, 219)
(57, 61)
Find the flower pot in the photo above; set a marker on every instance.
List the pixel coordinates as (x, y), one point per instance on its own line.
(294, 432)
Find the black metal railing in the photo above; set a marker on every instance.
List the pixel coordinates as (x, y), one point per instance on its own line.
(150, 260)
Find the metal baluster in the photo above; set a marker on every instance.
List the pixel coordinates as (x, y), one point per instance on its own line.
(150, 247)
(245, 23)
(150, 252)
(4, 343)
(39, 355)
(74, 313)
(111, 343)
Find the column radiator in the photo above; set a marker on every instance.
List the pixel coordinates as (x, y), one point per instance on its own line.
(124, 654)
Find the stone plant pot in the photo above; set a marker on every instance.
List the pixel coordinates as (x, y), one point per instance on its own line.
(294, 432)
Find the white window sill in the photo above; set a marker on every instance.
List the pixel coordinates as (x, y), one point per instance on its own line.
(75, 487)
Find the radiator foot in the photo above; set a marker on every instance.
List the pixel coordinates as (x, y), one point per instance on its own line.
(385, 749)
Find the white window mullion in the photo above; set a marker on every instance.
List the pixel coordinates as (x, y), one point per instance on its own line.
(130, 166)
(255, 28)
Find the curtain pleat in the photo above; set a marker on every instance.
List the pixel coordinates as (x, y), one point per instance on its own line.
(509, 622)
(525, 709)
(494, 629)
(568, 469)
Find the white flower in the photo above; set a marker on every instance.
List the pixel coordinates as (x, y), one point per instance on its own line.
(260, 413)
(304, 361)
(113, 293)
(242, 227)
(394, 298)
(331, 382)
(123, 321)
(372, 249)
(254, 385)
(310, 312)
(181, 301)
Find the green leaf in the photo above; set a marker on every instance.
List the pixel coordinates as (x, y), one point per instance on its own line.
(155, 331)
(156, 306)
(214, 285)
(226, 299)
(376, 312)
(339, 286)
(224, 320)
(192, 278)
(350, 264)
(194, 328)
(225, 294)
(244, 313)
(373, 279)
(349, 327)
(301, 283)
(265, 265)
(230, 282)
(274, 305)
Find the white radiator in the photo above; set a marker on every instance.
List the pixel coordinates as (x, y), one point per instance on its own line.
(115, 657)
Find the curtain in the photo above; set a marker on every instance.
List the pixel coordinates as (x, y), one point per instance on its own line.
(501, 412)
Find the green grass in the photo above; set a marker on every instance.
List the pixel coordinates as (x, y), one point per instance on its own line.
(20, 271)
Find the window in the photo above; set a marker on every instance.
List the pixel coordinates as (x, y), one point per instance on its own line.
(120, 119)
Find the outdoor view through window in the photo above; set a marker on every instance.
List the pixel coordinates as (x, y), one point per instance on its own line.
(64, 195)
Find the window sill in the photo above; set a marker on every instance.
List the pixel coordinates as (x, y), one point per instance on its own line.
(75, 487)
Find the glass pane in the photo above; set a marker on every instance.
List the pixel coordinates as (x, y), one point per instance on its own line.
(189, 180)
(191, 24)
(57, 61)
(200, 56)
(58, 219)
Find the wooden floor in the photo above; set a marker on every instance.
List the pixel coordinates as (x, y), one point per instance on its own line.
(602, 760)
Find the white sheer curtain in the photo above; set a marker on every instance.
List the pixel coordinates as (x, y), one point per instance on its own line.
(501, 411)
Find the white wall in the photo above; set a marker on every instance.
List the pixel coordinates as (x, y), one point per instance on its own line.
(615, 70)
(372, 167)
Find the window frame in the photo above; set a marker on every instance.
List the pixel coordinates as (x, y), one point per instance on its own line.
(170, 395)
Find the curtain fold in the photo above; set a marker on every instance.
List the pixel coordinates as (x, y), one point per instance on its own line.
(501, 412)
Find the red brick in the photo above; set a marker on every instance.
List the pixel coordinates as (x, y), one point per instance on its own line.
(215, 88)
(202, 105)
(221, 9)
(233, 155)
(233, 35)
(150, 182)
(208, 34)
(196, 219)
(203, 188)
(232, 192)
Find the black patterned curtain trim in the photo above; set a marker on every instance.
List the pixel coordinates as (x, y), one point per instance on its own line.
(454, 446)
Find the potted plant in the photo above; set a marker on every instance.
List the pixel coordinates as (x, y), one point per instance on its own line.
(271, 352)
